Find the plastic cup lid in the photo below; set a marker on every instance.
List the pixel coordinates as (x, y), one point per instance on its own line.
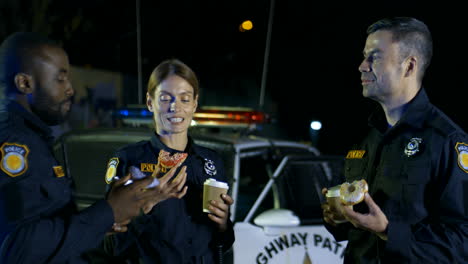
(215, 183)
(334, 191)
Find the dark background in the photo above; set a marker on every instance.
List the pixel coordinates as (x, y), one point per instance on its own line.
(313, 60)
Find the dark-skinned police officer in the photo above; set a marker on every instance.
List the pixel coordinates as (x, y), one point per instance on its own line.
(39, 222)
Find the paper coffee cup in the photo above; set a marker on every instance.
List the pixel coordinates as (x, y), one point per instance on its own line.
(334, 200)
(212, 190)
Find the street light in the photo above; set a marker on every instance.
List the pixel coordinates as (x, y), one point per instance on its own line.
(315, 127)
(245, 26)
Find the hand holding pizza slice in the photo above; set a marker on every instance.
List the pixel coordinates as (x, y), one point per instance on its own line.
(166, 161)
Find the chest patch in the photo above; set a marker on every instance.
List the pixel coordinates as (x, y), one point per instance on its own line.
(210, 167)
(413, 147)
(355, 154)
(462, 150)
(14, 159)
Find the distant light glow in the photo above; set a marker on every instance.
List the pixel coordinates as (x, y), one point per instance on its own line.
(193, 123)
(145, 113)
(316, 125)
(124, 112)
(246, 25)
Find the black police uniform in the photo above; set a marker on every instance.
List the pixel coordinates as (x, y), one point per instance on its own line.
(176, 230)
(417, 174)
(38, 219)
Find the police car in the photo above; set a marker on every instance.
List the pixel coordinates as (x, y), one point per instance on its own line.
(276, 184)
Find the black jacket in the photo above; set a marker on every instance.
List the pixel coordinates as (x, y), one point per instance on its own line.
(176, 230)
(417, 172)
(39, 222)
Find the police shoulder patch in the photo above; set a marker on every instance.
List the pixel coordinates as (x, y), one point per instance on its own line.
(14, 159)
(111, 169)
(462, 151)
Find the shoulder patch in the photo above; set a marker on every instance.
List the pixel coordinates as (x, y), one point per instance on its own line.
(111, 169)
(462, 150)
(14, 159)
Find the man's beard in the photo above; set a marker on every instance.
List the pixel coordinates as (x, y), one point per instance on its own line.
(49, 114)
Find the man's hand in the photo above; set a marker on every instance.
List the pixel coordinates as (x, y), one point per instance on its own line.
(128, 201)
(167, 188)
(331, 216)
(220, 212)
(119, 228)
(374, 221)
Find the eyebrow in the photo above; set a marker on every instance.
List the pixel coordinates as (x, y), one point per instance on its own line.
(373, 51)
(182, 93)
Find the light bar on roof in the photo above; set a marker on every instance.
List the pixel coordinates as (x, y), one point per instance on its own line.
(222, 116)
(205, 116)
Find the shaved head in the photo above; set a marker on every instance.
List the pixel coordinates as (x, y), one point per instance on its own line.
(17, 54)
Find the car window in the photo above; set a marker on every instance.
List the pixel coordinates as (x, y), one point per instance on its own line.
(256, 169)
(85, 156)
(301, 182)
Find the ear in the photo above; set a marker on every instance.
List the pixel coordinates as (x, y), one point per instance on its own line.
(411, 64)
(149, 102)
(24, 83)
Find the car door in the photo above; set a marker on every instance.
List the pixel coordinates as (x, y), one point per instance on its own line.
(284, 224)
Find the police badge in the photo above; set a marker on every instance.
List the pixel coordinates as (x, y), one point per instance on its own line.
(462, 150)
(14, 159)
(111, 169)
(413, 147)
(209, 167)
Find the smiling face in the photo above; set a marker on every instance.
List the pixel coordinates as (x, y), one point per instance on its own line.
(51, 98)
(381, 69)
(173, 104)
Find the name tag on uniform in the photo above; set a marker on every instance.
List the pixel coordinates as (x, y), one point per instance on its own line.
(355, 154)
(147, 167)
(58, 171)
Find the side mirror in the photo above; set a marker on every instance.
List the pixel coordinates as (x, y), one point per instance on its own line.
(274, 220)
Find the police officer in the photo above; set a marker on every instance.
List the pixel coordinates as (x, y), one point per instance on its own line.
(39, 222)
(414, 158)
(176, 231)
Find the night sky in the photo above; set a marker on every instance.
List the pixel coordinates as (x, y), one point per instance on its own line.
(313, 60)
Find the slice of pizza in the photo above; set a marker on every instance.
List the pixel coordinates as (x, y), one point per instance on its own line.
(166, 161)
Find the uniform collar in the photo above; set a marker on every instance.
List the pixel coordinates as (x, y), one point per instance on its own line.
(158, 144)
(411, 117)
(29, 119)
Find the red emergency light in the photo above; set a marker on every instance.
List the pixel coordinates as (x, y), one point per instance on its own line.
(228, 116)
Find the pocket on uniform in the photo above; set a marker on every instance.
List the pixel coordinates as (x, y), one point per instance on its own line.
(354, 169)
(414, 189)
(417, 173)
